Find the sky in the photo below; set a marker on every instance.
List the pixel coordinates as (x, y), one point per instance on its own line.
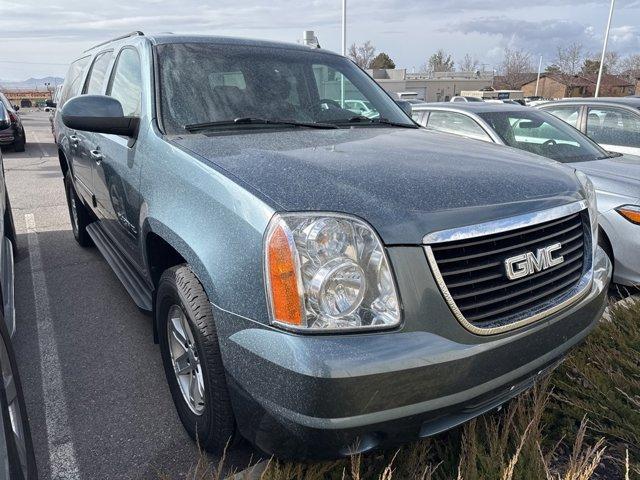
(39, 38)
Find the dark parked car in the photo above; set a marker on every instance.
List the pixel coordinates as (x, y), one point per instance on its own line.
(614, 123)
(321, 282)
(12, 135)
(17, 459)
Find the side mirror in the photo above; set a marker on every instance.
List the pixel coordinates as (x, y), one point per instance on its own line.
(16, 107)
(98, 113)
(405, 106)
(50, 104)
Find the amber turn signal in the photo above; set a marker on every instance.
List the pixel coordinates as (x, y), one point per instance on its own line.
(630, 212)
(282, 274)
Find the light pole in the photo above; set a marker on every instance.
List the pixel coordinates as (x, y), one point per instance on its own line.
(344, 48)
(538, 79)
(344, 27)
(604, 49)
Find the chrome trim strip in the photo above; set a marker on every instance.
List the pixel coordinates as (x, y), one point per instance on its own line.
(504, 224)
(538, 312)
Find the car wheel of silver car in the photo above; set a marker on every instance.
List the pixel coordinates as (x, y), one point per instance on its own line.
(192, 359)
(78, 214)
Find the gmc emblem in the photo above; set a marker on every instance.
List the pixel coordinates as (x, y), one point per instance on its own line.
(520, 266)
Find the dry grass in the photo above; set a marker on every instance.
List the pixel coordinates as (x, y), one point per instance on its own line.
(582, 423)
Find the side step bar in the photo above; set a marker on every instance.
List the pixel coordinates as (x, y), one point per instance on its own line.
(130, 278)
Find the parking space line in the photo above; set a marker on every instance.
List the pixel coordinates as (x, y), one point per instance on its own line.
(44, 153)
(62, 457)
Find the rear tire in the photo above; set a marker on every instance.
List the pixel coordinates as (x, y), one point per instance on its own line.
(207, 414)
(78, 214)
(9, 225)
(20, 146)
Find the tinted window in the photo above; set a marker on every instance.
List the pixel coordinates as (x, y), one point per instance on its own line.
(73, 80)
(275, 84)
(542, 134)
(457, 123)
(569, 114)
(97, 74)
(613, 126)
(126, 82)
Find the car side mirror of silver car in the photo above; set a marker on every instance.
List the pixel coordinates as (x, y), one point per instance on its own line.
(98, 113)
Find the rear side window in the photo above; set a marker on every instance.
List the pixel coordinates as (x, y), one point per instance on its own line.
(73, 80)
(613, 126)
(126, 82)
(97, 74)
(569, 114)
(457, 123)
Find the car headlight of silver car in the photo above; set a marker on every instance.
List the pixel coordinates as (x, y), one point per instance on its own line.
(592, 203)
(328, 272)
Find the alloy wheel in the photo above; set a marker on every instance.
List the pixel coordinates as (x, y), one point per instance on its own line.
(185, 360)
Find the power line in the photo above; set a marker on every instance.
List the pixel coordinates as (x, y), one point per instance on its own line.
(32, 63)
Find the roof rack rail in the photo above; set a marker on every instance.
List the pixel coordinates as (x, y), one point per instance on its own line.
(136, 33)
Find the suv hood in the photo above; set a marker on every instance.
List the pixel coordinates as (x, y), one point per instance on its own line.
(405, 182)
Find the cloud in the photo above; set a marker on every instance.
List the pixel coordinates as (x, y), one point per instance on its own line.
(544, 36)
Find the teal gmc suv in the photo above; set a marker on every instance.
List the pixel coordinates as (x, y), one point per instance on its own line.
(320, 281)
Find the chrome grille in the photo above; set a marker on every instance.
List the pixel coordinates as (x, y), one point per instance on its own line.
(471, 272)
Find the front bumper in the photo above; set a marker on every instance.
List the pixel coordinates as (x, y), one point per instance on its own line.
(300, 396)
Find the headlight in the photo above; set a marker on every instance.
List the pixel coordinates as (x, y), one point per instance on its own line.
(328, 272)
(590, 197)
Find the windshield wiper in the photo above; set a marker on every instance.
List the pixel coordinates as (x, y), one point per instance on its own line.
(375, 121)
(194, 127)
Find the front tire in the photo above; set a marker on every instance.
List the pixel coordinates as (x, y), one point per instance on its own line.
(192, 359)
(78, 214)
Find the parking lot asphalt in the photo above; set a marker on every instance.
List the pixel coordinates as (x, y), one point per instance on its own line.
(96, 393)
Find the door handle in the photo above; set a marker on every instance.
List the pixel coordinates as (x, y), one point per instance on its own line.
(96, 155)
(74, 139)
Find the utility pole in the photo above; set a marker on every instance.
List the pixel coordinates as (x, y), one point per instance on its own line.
(604, 49)
(538, 79)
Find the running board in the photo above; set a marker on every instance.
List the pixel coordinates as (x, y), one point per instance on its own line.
(130, 278)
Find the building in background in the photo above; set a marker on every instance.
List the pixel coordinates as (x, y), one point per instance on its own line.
(430, 87)
(27, 98)
(564, 86)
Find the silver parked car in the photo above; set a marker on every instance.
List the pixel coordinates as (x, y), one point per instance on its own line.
(616, 176)
(614, 123)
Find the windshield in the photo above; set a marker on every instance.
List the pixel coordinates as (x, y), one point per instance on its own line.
(202, 83)
(543, 134)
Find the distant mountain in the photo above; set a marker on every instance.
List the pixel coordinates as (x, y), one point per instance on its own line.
(31, 83)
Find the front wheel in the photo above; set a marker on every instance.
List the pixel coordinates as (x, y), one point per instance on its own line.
(192, 359)
(78, 214)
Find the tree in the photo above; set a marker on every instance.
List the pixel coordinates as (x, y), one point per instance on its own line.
(570, 58)
(440, 62)
(382, 60)
(553, 69)
(516, 67)
(591, 64)
(363, 54)
(592, 67)
(612, 62)
(630, 67)
(469, 63)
